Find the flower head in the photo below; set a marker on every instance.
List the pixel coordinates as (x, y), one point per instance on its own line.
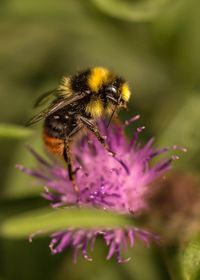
(115, 239)
(117, 184)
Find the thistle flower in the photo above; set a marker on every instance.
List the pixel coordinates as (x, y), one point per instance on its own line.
(118, 184)
(115, 239)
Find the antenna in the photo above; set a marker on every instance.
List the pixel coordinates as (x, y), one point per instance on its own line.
(114, 110)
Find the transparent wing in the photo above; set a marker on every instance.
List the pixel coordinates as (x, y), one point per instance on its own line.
(44, 98)
(55, 106)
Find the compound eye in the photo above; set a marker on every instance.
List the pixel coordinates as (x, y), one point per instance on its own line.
(111, 89)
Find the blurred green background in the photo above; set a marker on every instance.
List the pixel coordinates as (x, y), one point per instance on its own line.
(154, 44)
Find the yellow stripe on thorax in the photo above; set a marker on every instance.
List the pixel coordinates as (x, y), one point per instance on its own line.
(97, 77)
(65, 87)
(95, 108)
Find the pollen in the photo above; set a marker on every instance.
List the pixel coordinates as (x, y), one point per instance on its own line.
(97, 77)
(95, 108)
(125, 93)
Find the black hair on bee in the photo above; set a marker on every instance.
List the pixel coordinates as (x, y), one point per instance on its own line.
(77, 103)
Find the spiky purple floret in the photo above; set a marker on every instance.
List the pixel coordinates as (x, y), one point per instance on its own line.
(118, 184)
(83, 240)
(111, 183)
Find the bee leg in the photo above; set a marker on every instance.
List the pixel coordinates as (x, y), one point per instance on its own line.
(93, 128)
(68, 158)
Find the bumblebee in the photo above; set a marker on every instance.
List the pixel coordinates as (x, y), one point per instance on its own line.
(76, 103)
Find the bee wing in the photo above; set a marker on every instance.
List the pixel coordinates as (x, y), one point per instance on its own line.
(44, 98)
(60, 103)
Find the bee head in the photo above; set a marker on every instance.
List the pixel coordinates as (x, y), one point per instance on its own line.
(103, 82)
(108, 92)
(117, 92)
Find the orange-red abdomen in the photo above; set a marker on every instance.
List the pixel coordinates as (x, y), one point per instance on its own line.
(53, 144)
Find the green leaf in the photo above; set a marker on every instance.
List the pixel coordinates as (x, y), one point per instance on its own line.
(190, 260)
(48, 220)
(14, 131)
(132, 10)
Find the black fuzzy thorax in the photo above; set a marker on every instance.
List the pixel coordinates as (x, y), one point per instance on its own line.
(79, 82)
